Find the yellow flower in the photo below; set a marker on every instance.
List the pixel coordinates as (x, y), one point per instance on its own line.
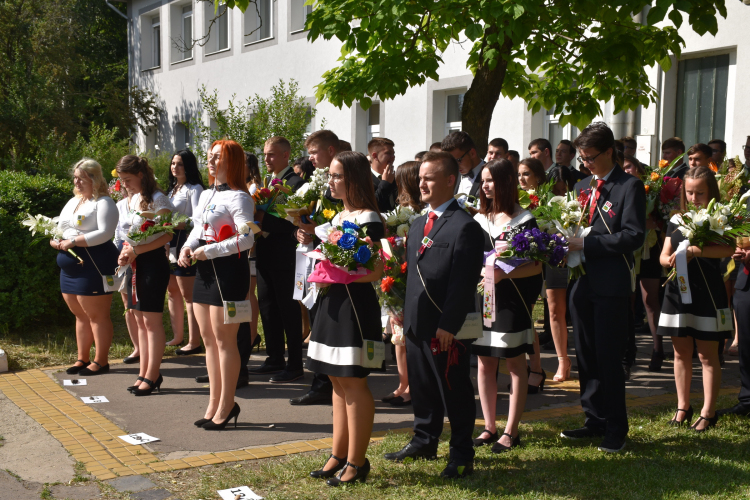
(663, 163)
(328, 214)
(114, 172)
(654, 176)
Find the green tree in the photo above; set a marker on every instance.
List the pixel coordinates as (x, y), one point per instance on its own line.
(253, 121)
(567, 55)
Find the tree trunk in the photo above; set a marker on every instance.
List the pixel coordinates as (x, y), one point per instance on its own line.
(482, 96)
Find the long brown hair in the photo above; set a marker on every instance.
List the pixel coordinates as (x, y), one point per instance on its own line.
(536, 168)
(360, 191)
(407, 180)
(707, 175)
(134, 165)
(506, 189)
(233, 157)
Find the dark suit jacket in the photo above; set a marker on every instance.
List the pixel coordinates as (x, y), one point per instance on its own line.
(605, 266)
(576, 174)
(450, 268)
(742, 279)
(277, 249)
(678, 171)
(476, 185)
(385, 194)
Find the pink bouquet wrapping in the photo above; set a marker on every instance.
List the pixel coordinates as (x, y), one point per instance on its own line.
(328, 273)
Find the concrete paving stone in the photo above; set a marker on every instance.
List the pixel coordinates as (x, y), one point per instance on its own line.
(132, 483)
(159, 494)
(11, 488)
(78, 492)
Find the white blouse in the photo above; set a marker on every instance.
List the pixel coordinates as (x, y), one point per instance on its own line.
(123, 224)
(185, 200)
(95, 219)
(217, 209)
(132, 214)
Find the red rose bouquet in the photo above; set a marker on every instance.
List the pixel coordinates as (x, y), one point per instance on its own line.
(153, 227)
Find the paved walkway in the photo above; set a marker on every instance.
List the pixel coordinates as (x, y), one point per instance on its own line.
(89, 432)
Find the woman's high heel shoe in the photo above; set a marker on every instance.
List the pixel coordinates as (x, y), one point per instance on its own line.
(137, 384)
(362, 472)
(87, 371)
(688, 417)
(211, 426)
(711, 423)
(152, 385)
(256, 343)
(324, 474)
(534, 389)
(199, 423)
(565, 369)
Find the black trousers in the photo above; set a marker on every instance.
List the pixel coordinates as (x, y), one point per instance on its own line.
(741, 302)
(432, 398)
(600, 328)
(280, 314)
(245, 346)
(631, 350)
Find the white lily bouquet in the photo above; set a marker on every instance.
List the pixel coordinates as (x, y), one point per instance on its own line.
(565, 215)
(399, 221)
(47, 228)
(310, 201)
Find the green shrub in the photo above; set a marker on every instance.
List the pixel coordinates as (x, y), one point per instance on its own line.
(29, 276)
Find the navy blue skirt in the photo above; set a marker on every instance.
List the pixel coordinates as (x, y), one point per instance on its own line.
(178, 240)
(84, 279)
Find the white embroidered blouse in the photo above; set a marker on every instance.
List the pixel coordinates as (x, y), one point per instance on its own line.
(95, 219)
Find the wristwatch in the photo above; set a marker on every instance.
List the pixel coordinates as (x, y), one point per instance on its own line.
(73, 241)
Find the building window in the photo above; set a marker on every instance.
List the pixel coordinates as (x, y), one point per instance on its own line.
(218, 32)
(187, 32)
(182, 135)
(300, 11)
(453, 105)
(702, 99)
(373, 121)
(258, 21)
(310, 124)
(554, 132)
(155, 42)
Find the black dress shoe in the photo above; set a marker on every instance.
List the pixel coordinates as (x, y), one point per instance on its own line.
(582, 433)
(202, 379)
(312, 398)
(361, 475)
(242, 381)
(501, 448)
(131, 360)
(411, 451)
(73, 370)
(287, 376)
(626, 371)
(266, 368)
(399, 401)
(657, 358)
(388, 398)
(738, 409)
(325, 474)
(188, 352)
(89, 372)
(482, 442)
(612, 444)
(457, 470)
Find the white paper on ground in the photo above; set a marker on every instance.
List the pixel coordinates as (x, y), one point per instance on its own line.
(242, 492)
(94, 399)
(139, 438)
(78, 381)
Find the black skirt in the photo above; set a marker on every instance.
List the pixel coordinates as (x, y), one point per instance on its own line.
(84, 279)
(651, 267)
(233, 272)
(555, 278)
(151, 281)
(178, 240)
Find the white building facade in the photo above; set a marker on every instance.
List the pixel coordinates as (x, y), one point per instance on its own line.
(702, 95)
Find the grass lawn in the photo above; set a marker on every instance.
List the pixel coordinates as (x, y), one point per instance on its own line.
(658, 462)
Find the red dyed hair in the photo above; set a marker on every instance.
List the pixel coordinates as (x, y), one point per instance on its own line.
(233, 159)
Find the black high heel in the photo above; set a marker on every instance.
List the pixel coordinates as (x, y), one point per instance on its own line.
(152, 385)
(534, 389)
(711, 423)
(501, 448)
(88, 372)
(73, 370)
(481, 441)
(323, 474)
(139, 379)
(362, 472)
(688, 417)
(256, 342)
(211, 426)
(199, 423)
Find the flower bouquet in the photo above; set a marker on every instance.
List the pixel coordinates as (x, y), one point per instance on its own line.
(392, 288)
(267, 197)
(732, 180)
(345, 254)
(398, 221)
(310, 201)
(47, 228)
(565, 215)
(468, 203)
(153, 227)
(115, 190)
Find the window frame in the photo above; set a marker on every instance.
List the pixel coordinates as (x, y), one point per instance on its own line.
(308, 10)
(156, 47)
(217, 27)
(183, 16)
(271, 19)
(453, 126)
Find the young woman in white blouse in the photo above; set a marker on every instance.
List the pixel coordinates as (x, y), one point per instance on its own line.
(223, 275)
(184, 191)
(146, 291)
(123, 226)
(88, 222)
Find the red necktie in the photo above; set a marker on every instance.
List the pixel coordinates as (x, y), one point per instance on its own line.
(599, 184)
(431, 217)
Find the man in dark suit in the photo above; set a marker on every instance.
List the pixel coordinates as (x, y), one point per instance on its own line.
(565, 155)
(382, 157)
(445, 249)
(275, 260)
(671, 149)
(741, 303)
(462, 148)
(599, 301)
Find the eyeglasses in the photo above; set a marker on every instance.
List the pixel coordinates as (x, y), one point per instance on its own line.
(460, 158)
(336, 177)
(746, 148)
(583, 159)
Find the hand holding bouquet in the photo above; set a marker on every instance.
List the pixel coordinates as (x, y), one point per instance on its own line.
(47, 229)
(266, 197)
(346, 254)
(153, 227)
(311, 203)
(566, 216)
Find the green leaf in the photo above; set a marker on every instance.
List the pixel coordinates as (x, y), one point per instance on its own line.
(473, 31)
(676, 17)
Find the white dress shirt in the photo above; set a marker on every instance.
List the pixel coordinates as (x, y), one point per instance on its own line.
(465, 182)
(96, 220)
(185, 199)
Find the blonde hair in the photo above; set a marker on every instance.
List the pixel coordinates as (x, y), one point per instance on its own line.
(94, 172)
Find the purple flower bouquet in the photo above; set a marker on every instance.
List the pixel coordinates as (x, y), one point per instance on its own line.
(529, 245)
